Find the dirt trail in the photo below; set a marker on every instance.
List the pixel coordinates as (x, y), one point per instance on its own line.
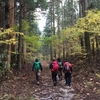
(23, 86)
(46, 90)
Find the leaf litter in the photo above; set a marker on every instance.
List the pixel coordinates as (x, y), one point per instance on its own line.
(22, 86)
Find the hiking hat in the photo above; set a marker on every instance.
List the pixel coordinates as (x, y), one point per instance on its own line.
(54, 59)
(36, 60)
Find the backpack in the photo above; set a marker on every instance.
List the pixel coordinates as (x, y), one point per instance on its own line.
(60, 65)
(37, 66)
(55, 66)
(67, 67)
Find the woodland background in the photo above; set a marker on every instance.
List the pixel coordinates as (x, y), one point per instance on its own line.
(72, 31)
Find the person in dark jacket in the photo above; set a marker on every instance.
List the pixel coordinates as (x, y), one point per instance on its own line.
(37, 67)
(53, 73)
(60, 68)
(67, 69)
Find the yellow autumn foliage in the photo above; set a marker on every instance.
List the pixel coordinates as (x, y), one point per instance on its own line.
(8, 36)
(70, 36)
(90, 23)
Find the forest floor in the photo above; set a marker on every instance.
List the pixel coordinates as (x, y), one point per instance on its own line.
(21, 85)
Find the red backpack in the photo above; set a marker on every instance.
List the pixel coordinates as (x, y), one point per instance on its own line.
(67, 67)
(55, 66)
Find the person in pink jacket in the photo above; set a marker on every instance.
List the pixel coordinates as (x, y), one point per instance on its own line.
(67, 69)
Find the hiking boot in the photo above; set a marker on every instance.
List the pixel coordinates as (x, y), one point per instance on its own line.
(66, 84)
(68, 87)
(54, 83)
(37, 83)
(61, 77)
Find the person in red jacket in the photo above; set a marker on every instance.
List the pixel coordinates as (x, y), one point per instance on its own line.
(54, 70)
(67, 69)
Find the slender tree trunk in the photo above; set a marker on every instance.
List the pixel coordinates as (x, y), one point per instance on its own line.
(11, 21)
(87, 45)
(97, 45)
(23, 42)
(51, 47)
(83, 7)
(80, 9)
(72, 15)
(93, 50)
(11, 16)
(64, 26)
(8, 57)
(20, 37)
(82, 43)
(53, 19)
(58, 27)
(63, 49)
(2, 15)
(87, 41)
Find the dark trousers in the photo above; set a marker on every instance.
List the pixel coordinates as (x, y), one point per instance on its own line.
(60, 74)
(54, 76)
(68, 78)
(37, 76)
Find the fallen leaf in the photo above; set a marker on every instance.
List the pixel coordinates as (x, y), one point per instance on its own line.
(88, 93)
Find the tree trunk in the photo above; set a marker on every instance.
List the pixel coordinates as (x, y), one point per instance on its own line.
(63, 49)
(93, 50)
(11, 12)
(9, 57)
(97, 45)
(83, 5)
(23, 42)
(51, 47)
(72, 13)
(87, 41)
(2, 15)
(11, 21)
(82, 43)
(20, 38)
(87, 45)
(53, 21)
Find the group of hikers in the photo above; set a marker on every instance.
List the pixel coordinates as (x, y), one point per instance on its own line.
(57, 67)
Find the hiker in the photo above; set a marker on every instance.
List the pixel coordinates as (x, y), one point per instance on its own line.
(60, 68)
(67, 69)
(37, 67)
(54, 70)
